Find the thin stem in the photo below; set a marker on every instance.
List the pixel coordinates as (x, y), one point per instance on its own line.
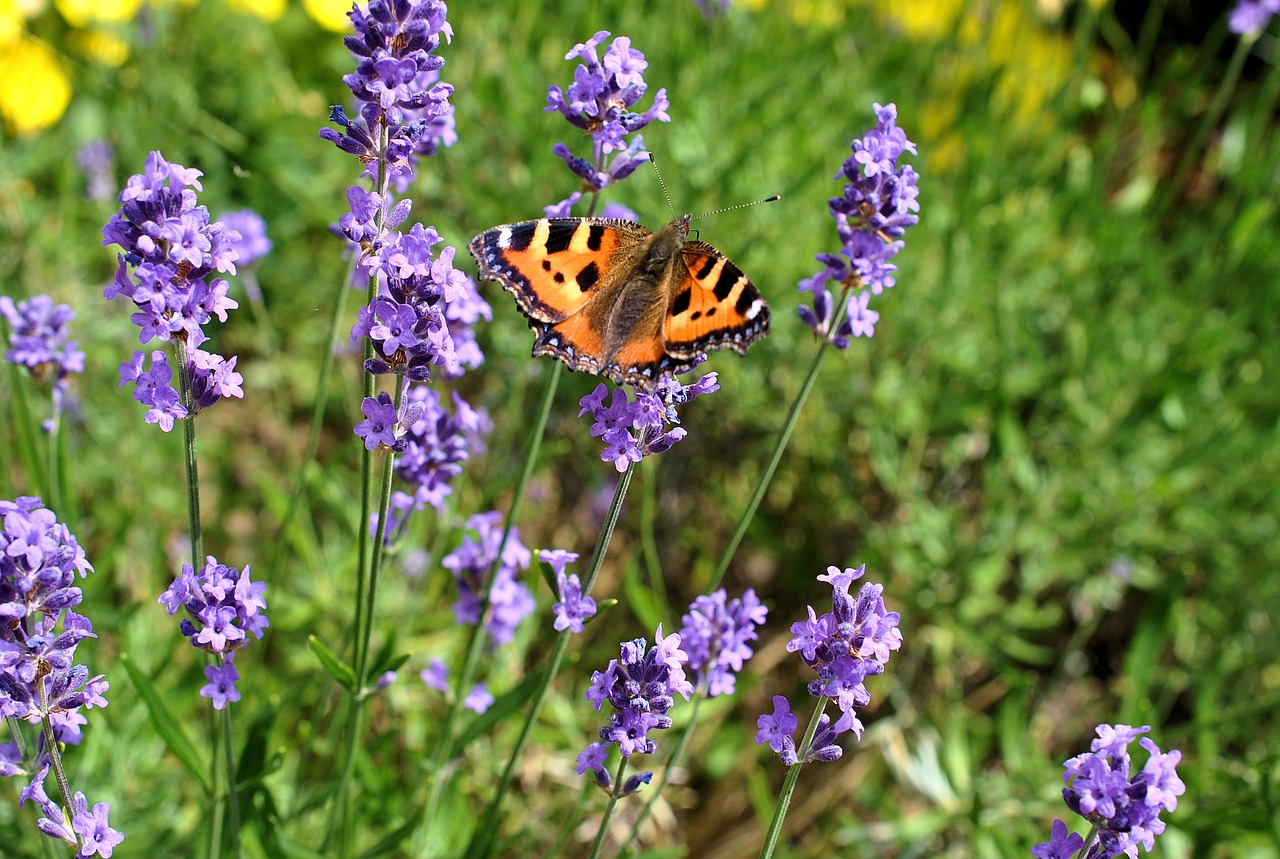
(1210, 120)
(677, 755)
(609, 807)
(189, 450)
(482, 837)
(233, 791)
(789, 784)
(785, 436)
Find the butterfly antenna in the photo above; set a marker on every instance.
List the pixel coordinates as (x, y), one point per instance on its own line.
(665, 192)
(772, 199)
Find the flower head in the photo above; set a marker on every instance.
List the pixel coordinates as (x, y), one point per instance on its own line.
(170, 250)
(224, 607)
(877, 205)
(844, 646)
(1124, 805)
(253, 242)
(1252, 16)
(397, 87)
(649, 424)
(600, 102)
(574, 606)
(509, 600)
(716, 632)
(641, 686)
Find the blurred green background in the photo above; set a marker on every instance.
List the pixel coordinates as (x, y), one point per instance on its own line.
(1058, 453)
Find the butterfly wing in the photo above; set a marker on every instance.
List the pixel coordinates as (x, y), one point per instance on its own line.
(553, 266)
(715, 306)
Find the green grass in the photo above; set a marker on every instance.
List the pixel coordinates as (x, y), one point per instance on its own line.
(1059, 452)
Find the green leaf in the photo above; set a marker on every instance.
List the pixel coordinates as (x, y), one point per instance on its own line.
(509, 702)
(338, 670)
(167, 726)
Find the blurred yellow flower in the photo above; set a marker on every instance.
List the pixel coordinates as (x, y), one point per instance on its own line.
(34, 90)
(330, 14)
(82, 13)
(101, 46)
(267, 10)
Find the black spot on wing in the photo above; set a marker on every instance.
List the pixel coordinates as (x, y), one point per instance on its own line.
(708, 263)
(681, 304)
(589, 275)
(595, 236)
(522, 236)
(728, 277)
(559, 236)
(745, 300)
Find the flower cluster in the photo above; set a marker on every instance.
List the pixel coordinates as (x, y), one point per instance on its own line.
(509, 600)
(634, 429)
(397, 87)
(406, 321)
(715, 633)
(599, 102)
(844, 647)
(1124, 807)
(39, 562)
(1252, 16)
(225, 607)
(170, 250)
(574, 607)
(435, 445)
(871, 216)
(38, 341)
(96, 159)
(641, 687)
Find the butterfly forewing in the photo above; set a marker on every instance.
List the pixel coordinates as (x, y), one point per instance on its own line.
(553, 266)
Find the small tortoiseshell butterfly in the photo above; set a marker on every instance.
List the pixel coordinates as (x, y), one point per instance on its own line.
(610, 297)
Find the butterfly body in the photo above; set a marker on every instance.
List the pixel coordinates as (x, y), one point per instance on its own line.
(610, 297)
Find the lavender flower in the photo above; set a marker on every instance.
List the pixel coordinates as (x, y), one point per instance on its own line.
(634, 429)
(574, 606)
(39, 561)
(509, 600)
(871, 216)
(435, 446)
(436, 676)
(170, 250)
(641, 687)
(599, 103)
(715, 633)
(38, 341)
(478, 699)
(397, 87)
(253, 242)
(844, 647)
(1061, 844)
(224, 606)
(1123, 808)
(1252, 16)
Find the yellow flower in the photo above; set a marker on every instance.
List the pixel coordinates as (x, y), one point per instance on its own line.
(267, 10)
(82, 13)
(330, 14)
(34, 89)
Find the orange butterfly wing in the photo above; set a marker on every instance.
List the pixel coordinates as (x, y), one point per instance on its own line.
(552, 265)
(714, 307)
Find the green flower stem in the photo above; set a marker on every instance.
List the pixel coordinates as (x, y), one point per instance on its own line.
(789, 785)
(608, 809)
(677, 754)
(24, 422)
(785, 436)
(189, 448)
(233, 793)
(482, 837)
(341, 821)
(1217, 107)
(444, 742)
(336, 315)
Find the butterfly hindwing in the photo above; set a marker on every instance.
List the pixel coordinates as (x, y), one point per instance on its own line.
(713, 306)
(553, 266)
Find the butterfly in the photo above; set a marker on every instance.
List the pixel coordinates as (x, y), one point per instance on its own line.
(610, 297)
